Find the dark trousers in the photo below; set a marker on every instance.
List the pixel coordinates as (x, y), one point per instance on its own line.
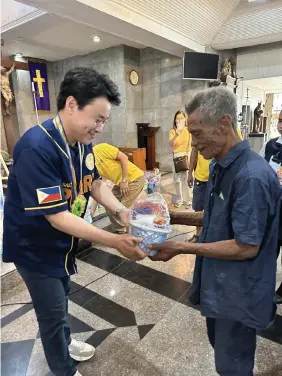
(234, 347)
(49, 297)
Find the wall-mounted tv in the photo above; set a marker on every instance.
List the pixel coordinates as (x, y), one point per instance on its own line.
(200, 66)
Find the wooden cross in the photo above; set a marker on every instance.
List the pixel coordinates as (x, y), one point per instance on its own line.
(9, 127)
(19, 65)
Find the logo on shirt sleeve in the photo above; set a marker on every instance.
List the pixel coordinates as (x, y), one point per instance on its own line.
(89, 161)
(50, 194)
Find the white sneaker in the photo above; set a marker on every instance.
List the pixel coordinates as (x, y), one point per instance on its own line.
(80, 351)
(78, 374)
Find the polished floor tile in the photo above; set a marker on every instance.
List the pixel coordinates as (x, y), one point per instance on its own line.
(15, 357)
(178, 344)
(137, 315)
(148, 306)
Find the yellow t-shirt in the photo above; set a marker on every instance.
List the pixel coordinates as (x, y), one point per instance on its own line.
(202, 170)
(109, 167)
(183, 142)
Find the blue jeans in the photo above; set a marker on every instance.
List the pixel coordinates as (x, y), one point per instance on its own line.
(234, 347)
(49, 297)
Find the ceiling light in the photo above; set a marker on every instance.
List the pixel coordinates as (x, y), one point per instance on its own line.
(96, 39)
(18, 55)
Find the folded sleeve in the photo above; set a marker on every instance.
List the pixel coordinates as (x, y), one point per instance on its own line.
(250, 211)
(39, 183)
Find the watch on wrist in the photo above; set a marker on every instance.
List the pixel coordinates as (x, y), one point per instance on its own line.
(124, 180)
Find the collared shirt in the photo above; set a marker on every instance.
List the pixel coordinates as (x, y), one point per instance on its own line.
(40, 184)
(241, 204)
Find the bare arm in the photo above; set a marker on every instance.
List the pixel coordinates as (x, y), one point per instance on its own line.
(225, 250)
(11, 69)
(123, 159)
(71, 224)
(77, 227)
(104, 196)
(192, 167)
(193, 160)
(185, 218)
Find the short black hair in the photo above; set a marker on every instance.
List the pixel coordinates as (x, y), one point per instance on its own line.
(86, 84)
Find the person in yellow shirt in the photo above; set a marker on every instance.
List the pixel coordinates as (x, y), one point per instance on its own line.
(129, 180)
(180, 142)
(201, 168)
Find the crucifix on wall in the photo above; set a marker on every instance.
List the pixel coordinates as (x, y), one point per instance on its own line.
(7, 67)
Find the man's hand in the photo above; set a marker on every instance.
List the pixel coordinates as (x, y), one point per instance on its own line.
(167, 250)
(124, 188)
(190, 180)
(125, 216)
(127, 245)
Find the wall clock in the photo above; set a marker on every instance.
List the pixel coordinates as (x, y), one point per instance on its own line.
(133, 77)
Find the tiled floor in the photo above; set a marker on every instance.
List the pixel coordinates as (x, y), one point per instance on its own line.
(136, 314)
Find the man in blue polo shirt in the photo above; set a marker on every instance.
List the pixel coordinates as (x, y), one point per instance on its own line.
(234, 278)
(48, 189)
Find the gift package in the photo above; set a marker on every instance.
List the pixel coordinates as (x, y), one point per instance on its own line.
(152, 181)
(150, 220)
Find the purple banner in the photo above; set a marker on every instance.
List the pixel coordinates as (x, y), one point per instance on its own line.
(39, 82)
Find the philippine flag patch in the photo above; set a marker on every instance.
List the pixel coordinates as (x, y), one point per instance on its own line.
(50, 194)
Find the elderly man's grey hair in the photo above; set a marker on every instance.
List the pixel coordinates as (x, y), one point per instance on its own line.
(212, 104)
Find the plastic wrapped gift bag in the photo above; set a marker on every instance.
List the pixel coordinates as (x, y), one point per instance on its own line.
(152, 181)
(150, 220)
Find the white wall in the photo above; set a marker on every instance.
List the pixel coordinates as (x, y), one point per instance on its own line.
(256, 94)
(260, 62)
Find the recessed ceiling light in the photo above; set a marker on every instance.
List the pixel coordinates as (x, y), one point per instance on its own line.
(96, 39)
(19, 55)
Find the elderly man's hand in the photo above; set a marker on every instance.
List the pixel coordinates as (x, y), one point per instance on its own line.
(167, 250)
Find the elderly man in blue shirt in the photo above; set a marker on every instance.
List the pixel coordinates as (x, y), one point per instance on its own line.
(234, 278)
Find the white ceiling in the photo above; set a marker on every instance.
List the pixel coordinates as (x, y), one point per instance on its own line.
(251, 24)
(198, 20)
(54, 38)
(171, 26)
(269, 85)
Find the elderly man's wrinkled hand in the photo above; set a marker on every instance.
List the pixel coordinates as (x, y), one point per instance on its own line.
(166, 251)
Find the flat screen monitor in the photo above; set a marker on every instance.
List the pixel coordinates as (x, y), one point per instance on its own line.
(200, 66)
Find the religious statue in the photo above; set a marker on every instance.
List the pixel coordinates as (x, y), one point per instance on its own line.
(227, 69)
(6, 89)
(257, 125)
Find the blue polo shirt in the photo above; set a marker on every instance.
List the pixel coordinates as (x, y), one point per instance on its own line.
(242, 203)
(40, 184)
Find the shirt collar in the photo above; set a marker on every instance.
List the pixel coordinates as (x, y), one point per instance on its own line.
(279, 141)
(234, 153)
